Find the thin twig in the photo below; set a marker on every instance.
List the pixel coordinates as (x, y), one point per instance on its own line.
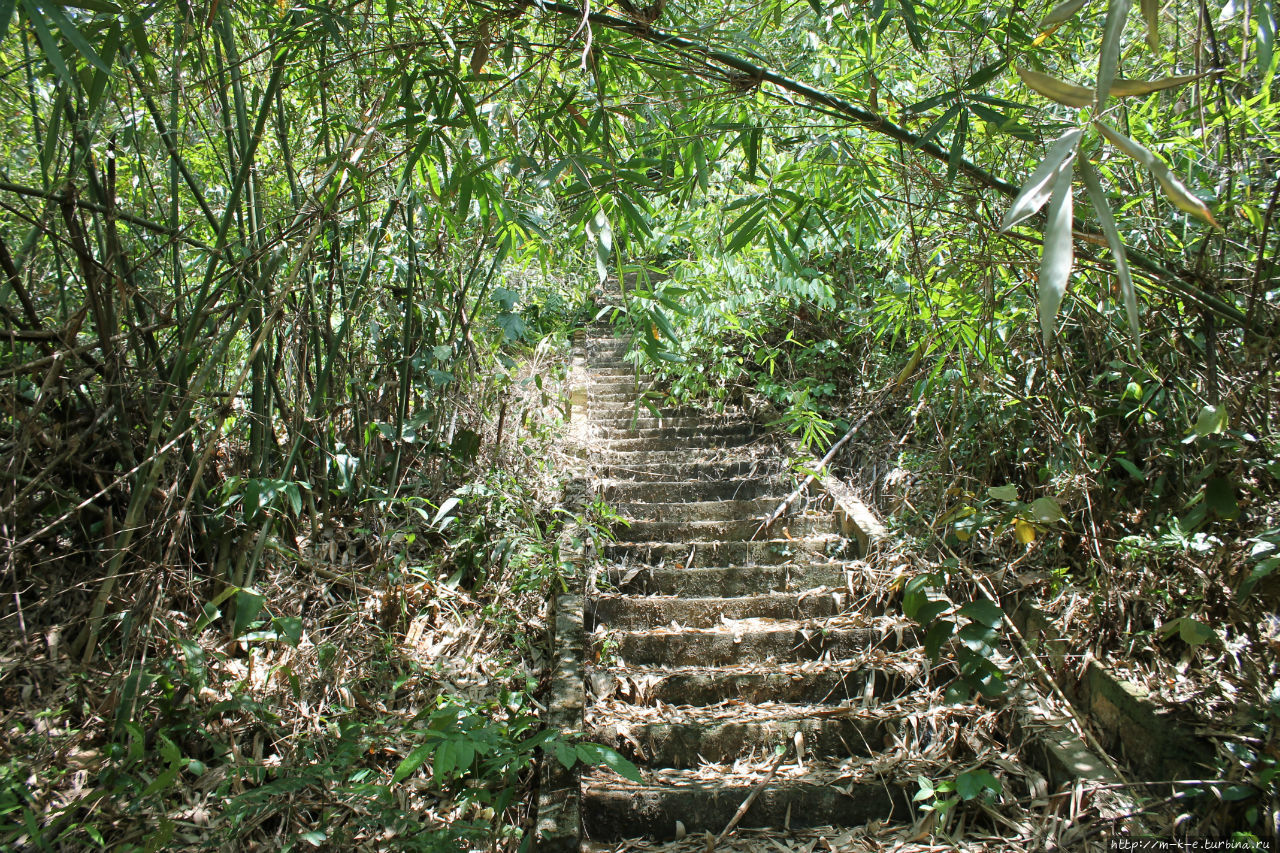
(751, 798)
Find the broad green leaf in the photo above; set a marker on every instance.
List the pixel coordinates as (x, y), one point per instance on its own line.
(1192, 631)
(1211, 420)
(1054, 89)
(970, 785)
(1059, 252)
(249, 604)
(1169, 182)
(289, 629)
(1109, 56)
(939, 632)
(1220, 497)
(597, 755)
(1108, 223)
(1151, 14)
(445, 760)
(412, 762)
(1061, 13)
(445, 509)
(931, 610)
(1036, 191)
(566, 754)
(1003, 493)
(984, 611)
(1046, 510)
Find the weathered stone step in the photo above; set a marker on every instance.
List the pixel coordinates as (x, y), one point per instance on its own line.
(616, 491)
(682, 455)
(614, 808)
(815, 684)
(643, 420)
(696, 442)
(727, 580)
(738, 429)
(598, 371)
(698, 510)
(615, 393)
(838, 733)
(633, 612)
(761, 552)
(683, 470)
(787, 641)
(727, 530)
(605, 411)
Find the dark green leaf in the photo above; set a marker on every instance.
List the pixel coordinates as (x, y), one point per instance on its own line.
(597, 755)
(249, 604)
(412, 762)
(984, 611)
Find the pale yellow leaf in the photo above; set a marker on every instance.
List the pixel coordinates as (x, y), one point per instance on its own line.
(1054, 89)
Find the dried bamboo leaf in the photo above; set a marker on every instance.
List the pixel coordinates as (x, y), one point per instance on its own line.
(1068, 94)
(1121, 88)
(1061, 13)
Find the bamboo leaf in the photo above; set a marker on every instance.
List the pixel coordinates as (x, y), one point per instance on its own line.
(941, 123)
(73, 35)
(1061, 13)
(986, 74)
(6, 15)
(1055, 263)
(957, 146)
(1121, 88)
(1035, 192)
(52, 50)
(1109, 56)
(1151, 14)
(1173, 187)
(1108, 223)
(1054, 89)
(1265, 19)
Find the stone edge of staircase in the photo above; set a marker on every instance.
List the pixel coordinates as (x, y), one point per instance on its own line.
(558, 819)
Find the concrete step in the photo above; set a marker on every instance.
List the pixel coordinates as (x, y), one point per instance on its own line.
(742, 430)
(635, 612)
(680, 511)
(657, 471)
(695, 442)
(856, 683)
(629, 491)
(753, 642)
(726, 580)
(643, 420)
(605, 410)
(613, 808)
(727, 530)
(828, 733)
(758, 553)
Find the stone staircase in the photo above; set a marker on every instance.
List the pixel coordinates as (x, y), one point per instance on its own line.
(728, 663)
